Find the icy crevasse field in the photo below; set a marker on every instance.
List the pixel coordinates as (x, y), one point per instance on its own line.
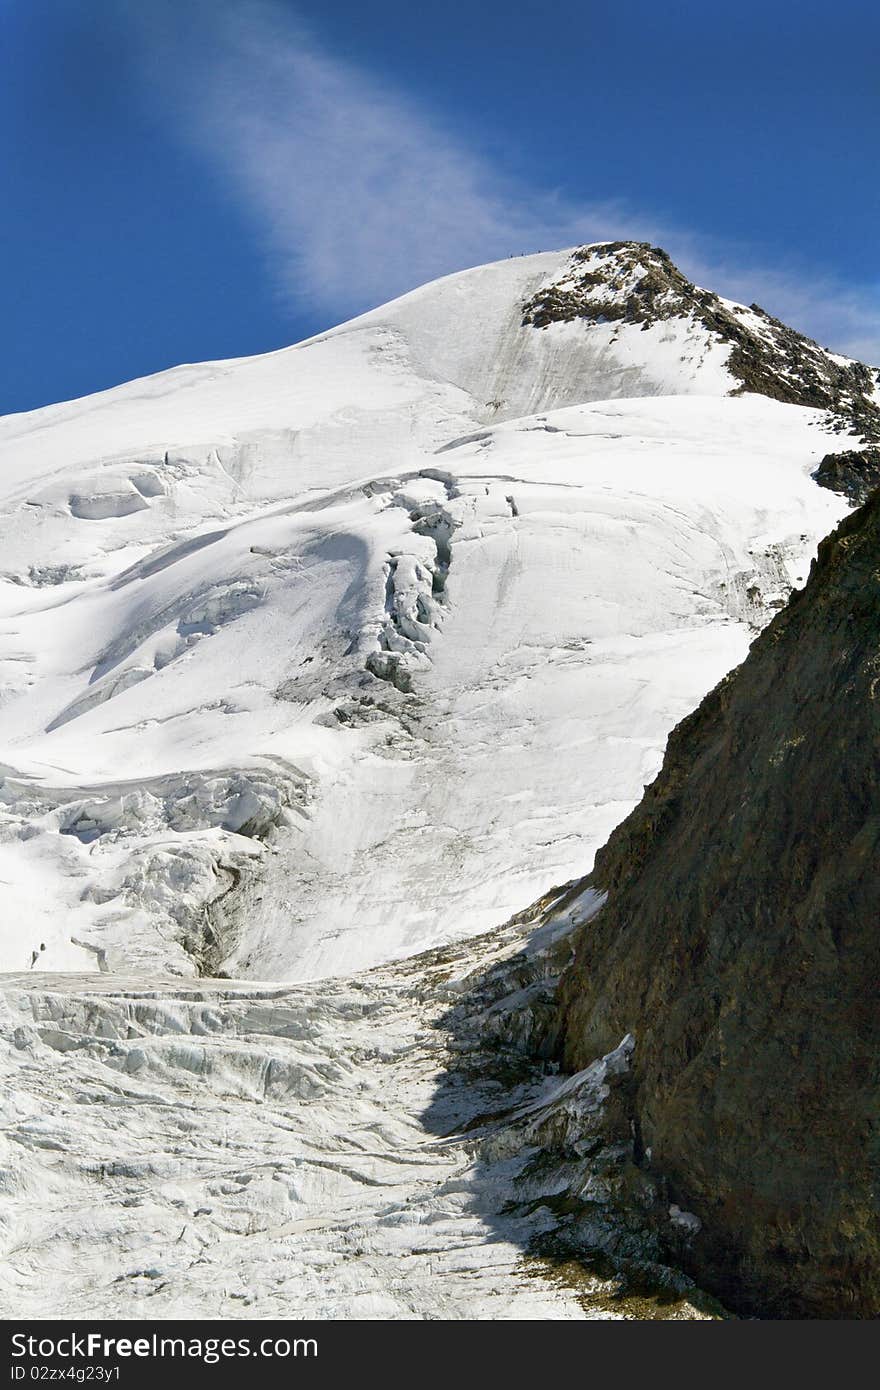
(309, 663)
(259, 1151)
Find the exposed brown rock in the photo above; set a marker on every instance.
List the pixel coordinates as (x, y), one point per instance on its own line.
(638, 283)
(853, 472)
(740, 945)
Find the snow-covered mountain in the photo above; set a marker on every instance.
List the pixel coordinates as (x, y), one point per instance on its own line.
(317, 659)
(314, 661)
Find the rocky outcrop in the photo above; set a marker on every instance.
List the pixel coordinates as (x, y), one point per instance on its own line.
(740, 946)
(853, 472)
(636, 283)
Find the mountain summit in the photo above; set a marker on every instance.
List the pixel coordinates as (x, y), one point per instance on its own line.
(634, 283)
(315, 662)
(316, 659)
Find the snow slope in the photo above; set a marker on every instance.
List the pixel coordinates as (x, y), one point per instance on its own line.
(311, 662)
(315, 660)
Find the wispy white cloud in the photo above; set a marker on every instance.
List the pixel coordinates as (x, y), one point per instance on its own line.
(358, 194)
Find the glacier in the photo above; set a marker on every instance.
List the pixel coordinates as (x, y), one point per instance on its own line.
(312, 665)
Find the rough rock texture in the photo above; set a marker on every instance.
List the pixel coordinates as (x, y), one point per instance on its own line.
(634, 282)
(740, 945)
(853, 472)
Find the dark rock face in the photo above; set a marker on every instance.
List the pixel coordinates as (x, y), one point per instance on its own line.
(634, 282)
(853, 472)
(740, 945)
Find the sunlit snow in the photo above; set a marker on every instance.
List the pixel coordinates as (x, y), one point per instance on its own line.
(310, 662)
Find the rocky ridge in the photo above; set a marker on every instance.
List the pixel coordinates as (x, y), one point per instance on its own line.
(636, 283)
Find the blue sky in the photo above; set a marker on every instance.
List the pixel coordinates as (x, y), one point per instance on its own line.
(187, 179)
